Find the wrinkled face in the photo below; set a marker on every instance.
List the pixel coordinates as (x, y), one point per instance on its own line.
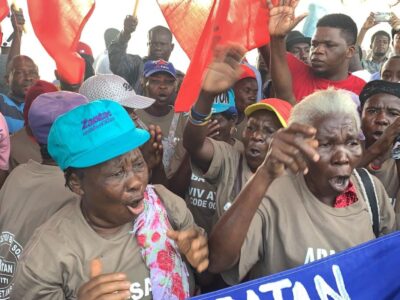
(245, 93)
(225, 127)
(379, 111)
(261, 125)
(161, 87)
(301, 51)
(340, 150)
(391, 70)
(23, 75)
(159, 45)
(396, 44)
(113, 191)
(329, 51)
(380, 45)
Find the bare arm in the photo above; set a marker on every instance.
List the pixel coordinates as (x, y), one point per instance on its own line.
(220, 76)
(227, 236)
(282, 20)
(369, 23)
(180, 181)
(280, 73)
(17, 21)
(289, 148)
(194, 137)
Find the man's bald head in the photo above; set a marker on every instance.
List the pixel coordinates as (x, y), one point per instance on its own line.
(21, 74)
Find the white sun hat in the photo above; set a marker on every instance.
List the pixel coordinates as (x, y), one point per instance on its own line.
(115, 88)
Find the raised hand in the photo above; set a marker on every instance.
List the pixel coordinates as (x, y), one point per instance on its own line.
(153, 150)
(394, 21)
(282, 17)
(291, 148)
(369, 22)
(113, 286)
(17, 19)
(130, 24)
(193, 244)
(386, 140)
(224, 70)
(213, 129)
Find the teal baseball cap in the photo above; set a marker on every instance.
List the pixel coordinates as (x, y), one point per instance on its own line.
(223, 102)
(93, 133)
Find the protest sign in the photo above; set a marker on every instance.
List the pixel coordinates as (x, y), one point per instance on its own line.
(368, 271)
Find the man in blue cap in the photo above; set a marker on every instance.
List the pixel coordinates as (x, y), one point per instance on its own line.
(119, 223)
(160, 84)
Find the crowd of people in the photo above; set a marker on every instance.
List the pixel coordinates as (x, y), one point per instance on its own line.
(108, 193)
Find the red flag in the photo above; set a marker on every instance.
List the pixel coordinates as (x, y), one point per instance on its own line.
(208, 24)
(58, 25)
(4, 11)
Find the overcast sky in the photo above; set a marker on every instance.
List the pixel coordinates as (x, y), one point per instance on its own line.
(111, 13)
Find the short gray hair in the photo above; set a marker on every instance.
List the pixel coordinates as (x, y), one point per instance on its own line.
(323, 103)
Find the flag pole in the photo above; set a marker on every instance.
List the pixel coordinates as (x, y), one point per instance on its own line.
(135, 8)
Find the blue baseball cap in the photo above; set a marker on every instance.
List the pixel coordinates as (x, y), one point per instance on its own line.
(223, 102)
(102, 130)
(155, 66)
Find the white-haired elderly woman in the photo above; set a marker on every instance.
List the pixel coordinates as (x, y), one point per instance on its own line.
(304, 202)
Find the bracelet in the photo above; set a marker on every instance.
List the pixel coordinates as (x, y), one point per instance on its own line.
(197, 122)
(198, 116)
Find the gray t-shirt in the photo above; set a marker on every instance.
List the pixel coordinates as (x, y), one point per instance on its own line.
(32, 193)
(292, 227)
(56, 261)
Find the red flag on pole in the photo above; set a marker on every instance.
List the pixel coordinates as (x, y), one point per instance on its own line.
(208, 24)
(4, 11)
(58, 25)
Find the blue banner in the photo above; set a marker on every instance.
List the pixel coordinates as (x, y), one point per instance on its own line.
(368, 271)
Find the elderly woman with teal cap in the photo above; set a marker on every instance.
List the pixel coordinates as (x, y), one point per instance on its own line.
(123, 237)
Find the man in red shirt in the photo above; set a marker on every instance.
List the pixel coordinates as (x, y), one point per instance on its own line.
(332, 47)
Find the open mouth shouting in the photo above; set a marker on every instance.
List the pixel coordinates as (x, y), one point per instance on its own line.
(377, 134)
(254, 152)
(339, 183)
(136, 207)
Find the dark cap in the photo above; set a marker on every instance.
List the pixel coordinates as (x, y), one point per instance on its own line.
(379, 87)
(295, 37)
(155, 66)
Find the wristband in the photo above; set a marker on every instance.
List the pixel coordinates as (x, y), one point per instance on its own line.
(198, 116)
(197, 122)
